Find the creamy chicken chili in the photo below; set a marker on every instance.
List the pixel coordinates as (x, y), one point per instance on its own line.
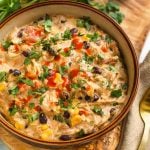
(61, 78)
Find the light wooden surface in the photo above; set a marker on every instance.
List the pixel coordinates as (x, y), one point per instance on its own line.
(136, 24)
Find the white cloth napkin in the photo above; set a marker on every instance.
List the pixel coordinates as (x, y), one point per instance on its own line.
(134, 126)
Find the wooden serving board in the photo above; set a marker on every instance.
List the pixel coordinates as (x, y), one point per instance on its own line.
(136, 24)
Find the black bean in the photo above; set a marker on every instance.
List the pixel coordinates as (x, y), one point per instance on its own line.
(87, 98)
(65, 95)
(52, 51)
(86, 45)
(112, 111)
(63, 21)
(96, 70)
(73, 31)
(96, 97)
(10, 70)
(66, 114)
(65, 137)
(16, 72)
(42, 118)
(19, 34)
(25, 53)
(80, 97)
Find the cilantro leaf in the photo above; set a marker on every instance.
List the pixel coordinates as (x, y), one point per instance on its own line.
(98, 110)
(13, 110)
(45, 73)
(93, 37)
(116, 93)
(47, 23)
(66, 35)
(14, 90)
(3, 76)
(84, 22)
(26, 81)
(63, 69)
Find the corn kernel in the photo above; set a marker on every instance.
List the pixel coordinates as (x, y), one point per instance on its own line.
(85, 37)
(19, 125)
(90, 92)
(2, 86)
(45, 135)
(58, 79)
(44, 127)
(75, 120)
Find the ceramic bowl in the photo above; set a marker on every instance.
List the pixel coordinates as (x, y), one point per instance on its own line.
(27, 15)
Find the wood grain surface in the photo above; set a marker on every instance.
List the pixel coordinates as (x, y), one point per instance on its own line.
(136, 24)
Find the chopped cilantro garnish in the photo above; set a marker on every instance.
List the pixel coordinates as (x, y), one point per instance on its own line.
(13, 110)
(41, 100)
(75, 85)
(33, 117)
(98, 110)
(80, 134)
(14, 90)
(108, 39)
(26, 81)
(111, 68)
(59, 118)
(116, 93)
(32, 55)
(93, 37)
(27, 61)
(84, 22)
(39, 91)
(31, 105)
(47, 23)
(63, 69)
(54, 39)
(101, 56)
(3, 76)
(6, 44)
(125, 86)
(45, 73)
(66, 35)
(88, 59)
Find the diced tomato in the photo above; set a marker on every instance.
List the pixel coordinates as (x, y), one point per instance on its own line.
(104, 49)
(58, 92)
(22, 87)
(66, 49)
(26, 100)
(78, 45)
(84, 74)
(57, 57)
(31, 75)
(88, 88)
(74, 73)
(1, 48)
(88, 51)
(66, 83)
(37, 108)
(30, 41)
(83, 112)
(37, 84)
(16, 46)
(46, 63)
(51, 80)
(38, 32)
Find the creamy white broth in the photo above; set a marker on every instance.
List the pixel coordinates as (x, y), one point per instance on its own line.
(61, 78)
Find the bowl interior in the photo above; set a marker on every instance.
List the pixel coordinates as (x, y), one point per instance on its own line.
(27, 15)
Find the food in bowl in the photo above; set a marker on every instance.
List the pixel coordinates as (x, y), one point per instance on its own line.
(61, 78)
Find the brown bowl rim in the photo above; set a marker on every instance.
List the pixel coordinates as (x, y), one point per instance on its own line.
(118, 118)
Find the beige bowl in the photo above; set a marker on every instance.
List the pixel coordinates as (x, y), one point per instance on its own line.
(31, 13)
